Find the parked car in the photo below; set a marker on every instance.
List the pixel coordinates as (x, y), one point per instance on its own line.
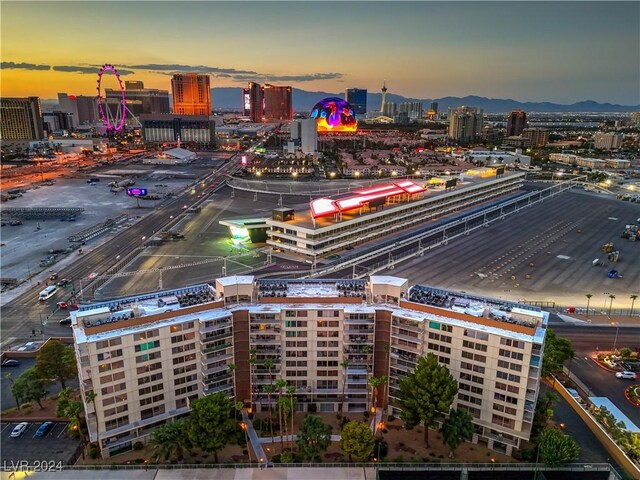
(44, 429)
(65, 321)
(11, 363)
(19, 430)
(627, 375)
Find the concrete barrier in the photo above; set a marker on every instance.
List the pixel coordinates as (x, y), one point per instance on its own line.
(601, 434)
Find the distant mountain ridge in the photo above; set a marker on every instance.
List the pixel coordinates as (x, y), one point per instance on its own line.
(303, 101)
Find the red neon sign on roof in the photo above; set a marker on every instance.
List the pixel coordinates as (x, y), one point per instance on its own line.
(323, 207)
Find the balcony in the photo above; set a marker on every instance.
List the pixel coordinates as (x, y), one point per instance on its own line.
(359, 339)
(355, 321)
(213, 338)
(216, 379)
(265, 340)
(356, 381)
(398, 323)
(407, 338)
(255, 321)
(217, 369)
(358, 331)
(215, 358)
(501, 438)
(217, 388)
(213, 328)
(215, 348)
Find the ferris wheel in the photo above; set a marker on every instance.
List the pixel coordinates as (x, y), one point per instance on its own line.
(113, 118)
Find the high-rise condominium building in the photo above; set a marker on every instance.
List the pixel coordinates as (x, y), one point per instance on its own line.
(148, 356)
(277, 103)
(191, 94)
(465, 124)
(412, 109)
(256, 101)
(608, 141)
(21, 119)
(389, 109)
(357, 98)
(535, 137)
(516, 123)
(82, 109)
(305, 132)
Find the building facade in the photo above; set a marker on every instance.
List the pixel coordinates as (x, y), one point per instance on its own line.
(139, 99)
(21, 119)
(465, 124)
(199, 129)
(147, 357)
(191, 94)
(412, 109)
(332, 224)
(278, 104)
(535, 137)
(83, 109)
(357, 98)
(608, 141)
(305, 133)
(516, 123)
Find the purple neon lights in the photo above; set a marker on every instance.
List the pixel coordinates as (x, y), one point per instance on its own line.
(107, 67)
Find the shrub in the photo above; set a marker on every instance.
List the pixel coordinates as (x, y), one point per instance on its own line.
(93, 453)
(26, 411)
(390, 418)
(625, 352)
(398, 459)
(381, 449)
(276, 458)
(25, 405)
(9, 411)
(366, 414)
(138, 446)
(139, 461)
(245, 452)
(286, 457)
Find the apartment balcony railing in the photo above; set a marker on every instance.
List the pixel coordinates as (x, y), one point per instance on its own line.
(213, 328)
(209, 359)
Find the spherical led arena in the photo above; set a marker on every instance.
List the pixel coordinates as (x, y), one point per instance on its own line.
(334, 114)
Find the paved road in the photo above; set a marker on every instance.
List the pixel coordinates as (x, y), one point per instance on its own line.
(600, 381)
(25, 313)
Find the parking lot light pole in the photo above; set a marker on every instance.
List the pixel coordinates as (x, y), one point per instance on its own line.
(615, 340)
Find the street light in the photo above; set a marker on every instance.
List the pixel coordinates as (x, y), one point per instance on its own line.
(615, 340)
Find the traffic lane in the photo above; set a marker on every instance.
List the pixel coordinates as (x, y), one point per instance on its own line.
(586, 338)
(604, 383)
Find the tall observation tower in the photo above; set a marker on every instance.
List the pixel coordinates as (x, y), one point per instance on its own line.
(384, 95)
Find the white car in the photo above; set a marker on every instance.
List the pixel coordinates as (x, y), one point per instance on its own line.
(19, 429)
(627, 375)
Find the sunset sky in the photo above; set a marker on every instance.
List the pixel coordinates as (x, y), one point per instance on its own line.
(528, 51)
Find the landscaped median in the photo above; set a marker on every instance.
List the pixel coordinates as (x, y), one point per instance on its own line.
(632, 394)
(628, 464)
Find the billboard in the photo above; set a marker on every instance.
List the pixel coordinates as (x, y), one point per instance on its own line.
(137, 192)
(499, 171)
(451, 183)
(246, 102)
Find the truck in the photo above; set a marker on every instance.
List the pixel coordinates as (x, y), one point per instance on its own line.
(47, 293)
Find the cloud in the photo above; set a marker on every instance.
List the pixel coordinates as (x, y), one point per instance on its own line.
(24, 66)
(234, 74)
(170, 69)
(84, 69)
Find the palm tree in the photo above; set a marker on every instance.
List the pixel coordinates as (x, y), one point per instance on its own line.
(612, 297)
(290, 391)
(633, 301)
(91, 397)
(269, 389)
(344, 365)
(280, 384)
(168, 441)
(252, 363)
(387, 350)
(588, 295)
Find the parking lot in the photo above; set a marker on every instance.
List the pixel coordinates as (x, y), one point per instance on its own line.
(56, 446)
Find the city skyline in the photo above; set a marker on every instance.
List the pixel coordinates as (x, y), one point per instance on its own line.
(525, 51)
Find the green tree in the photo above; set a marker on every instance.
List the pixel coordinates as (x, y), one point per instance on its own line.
(375, 383)
(55, 361)
(70, 408)
(625, 352)
(210, 424)
(91, 396)
(169, 441)
(314, 439)
(426, 393)
(557, 350)
(556, 448)
(9, 377)
(457, 428)
(29, 386)
(357, 439)
(543, 413)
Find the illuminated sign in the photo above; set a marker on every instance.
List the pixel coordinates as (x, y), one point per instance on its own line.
(243, 161)
(137, 192)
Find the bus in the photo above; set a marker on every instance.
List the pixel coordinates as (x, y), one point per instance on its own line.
(47, 293)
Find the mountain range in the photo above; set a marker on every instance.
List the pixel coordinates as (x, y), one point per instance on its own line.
(303, 101)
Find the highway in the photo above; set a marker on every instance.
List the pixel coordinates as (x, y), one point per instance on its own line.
(25, 313)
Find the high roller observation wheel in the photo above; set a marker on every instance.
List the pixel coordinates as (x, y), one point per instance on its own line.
(114, 121)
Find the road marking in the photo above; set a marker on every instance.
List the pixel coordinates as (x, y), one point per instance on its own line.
(64, 429)
(5, 428)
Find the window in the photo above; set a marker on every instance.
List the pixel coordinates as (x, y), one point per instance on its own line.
(325, 354)
(149, 368)
(111, 400)
(151, 412)
(185, 369)
(328, 324)
(153, 388)
(327, 363)
(186, 358)
(183, 337)
(295, 323)
(109, 343)
(434, 325)
(472, 367)
(181, 326)
(183, 348)
(511, 343)
(150, 378)
(326, 334)
(150, 400)
(474, 356)
(472, 378)
(328, 373)
(505, 422)
(145, 335)
(187, 379)
(115, 410)
(108, 355)
(470, 388)
(116, 422)
(296, 353)
(505, 398)
(187, 389)
(327, 384)
(111, 378)
(476, 334)
(441, 338)
(469, 399)
(113, 388)
(105, 367)
(147, 356)
(294, 344)
(474, 346)
(147, 346)
(504, 408)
